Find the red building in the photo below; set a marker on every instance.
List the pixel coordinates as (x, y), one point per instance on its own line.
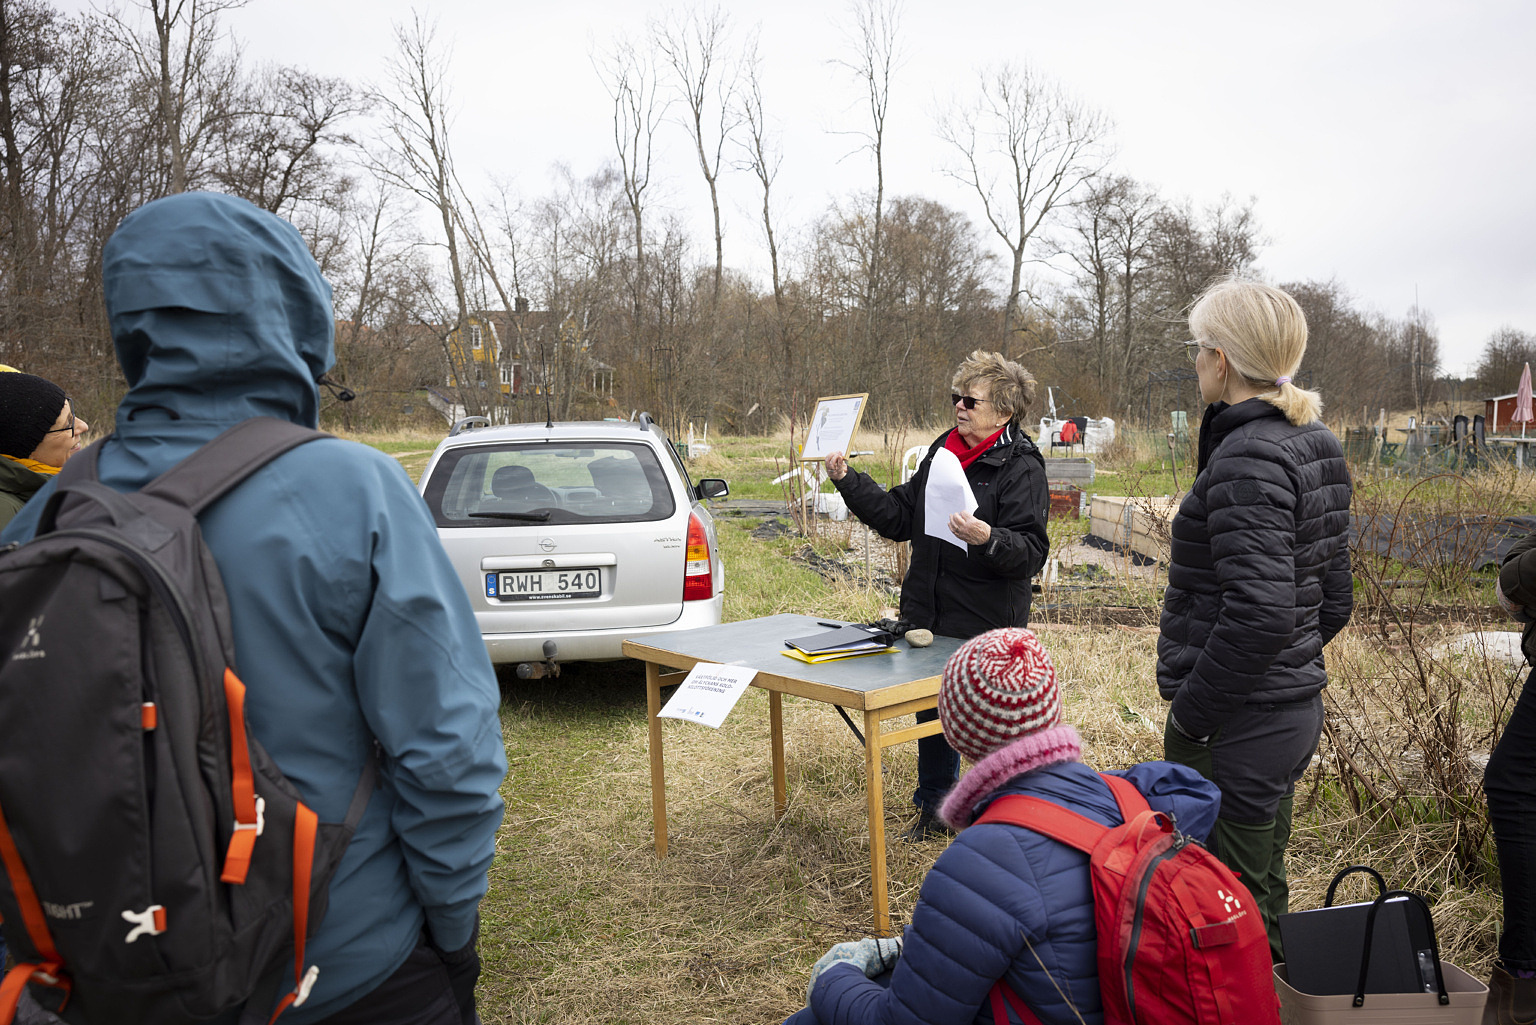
(1499, 414)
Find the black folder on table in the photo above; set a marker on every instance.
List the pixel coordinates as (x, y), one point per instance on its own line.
(853, 637)
(1323, 949)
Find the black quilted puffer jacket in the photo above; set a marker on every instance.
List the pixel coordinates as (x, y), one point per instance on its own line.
(1259, 578)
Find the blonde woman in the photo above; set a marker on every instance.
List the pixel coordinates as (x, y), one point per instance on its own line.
(1259, 579)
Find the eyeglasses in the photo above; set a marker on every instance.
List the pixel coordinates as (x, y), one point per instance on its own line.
(1192, 349)
(969, 401)
(70, 427)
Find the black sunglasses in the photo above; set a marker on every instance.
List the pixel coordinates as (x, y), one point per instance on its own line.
(968, 400)
(71, 425)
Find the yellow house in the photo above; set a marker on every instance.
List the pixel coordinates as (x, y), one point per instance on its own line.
(475, 351)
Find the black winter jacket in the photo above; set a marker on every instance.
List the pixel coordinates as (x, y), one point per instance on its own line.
(1517, 579)
(959, 592)
(1259, 578)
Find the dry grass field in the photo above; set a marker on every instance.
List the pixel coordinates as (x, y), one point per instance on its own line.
(584, 925)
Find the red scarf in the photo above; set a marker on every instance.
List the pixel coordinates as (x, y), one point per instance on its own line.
(967, 456)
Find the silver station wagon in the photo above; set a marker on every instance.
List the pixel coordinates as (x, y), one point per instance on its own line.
(571, 537)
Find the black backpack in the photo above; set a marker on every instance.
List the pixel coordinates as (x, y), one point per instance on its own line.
(158, 866)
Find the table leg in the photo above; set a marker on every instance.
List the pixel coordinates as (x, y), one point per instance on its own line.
(658, 770)
(776, 730)
(874, 789)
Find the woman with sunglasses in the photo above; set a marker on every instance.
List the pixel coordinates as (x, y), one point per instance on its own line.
(39, 431)
(964, 591)
(1258, 580)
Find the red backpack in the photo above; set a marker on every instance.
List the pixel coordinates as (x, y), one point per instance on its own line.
(1180, 939)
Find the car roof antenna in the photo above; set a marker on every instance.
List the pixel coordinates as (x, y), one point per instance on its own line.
(549, 418)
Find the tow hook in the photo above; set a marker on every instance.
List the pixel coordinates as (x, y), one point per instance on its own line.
(539, 670)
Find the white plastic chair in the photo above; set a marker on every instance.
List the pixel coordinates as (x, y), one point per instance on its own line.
(911, 460)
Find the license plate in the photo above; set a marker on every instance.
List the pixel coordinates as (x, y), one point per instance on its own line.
(544, 585)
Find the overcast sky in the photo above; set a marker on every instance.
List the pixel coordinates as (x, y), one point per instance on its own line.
(1389, 145)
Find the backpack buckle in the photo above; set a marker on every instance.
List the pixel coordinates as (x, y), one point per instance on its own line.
(302, 993)
(149, 922)
(261, 818)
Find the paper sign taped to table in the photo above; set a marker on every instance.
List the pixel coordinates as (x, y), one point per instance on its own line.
(947, 491)
(708, 693)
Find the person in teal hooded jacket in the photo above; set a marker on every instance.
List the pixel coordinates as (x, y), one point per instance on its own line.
(350, 626)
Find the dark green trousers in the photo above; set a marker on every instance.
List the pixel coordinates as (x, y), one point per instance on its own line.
(1255, 761)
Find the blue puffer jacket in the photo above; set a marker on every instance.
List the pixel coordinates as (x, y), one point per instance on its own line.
(349, 623)
(1003, 902)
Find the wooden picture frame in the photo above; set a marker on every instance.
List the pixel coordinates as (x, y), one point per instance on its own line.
(834, 422)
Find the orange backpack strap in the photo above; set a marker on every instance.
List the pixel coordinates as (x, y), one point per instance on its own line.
(46, 969)
(248, 816)
(305, 825)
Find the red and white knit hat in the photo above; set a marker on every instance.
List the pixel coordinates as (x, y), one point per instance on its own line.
(997, 688)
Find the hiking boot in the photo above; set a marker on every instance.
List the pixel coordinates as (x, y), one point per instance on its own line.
(927, 827)
(1511, 1000)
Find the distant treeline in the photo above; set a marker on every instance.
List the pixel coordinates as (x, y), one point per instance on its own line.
(596, 292)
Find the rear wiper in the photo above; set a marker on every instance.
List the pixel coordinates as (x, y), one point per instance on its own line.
(539, 517)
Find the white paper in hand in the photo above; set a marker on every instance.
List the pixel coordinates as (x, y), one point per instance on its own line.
(708, 693)
(946, 492)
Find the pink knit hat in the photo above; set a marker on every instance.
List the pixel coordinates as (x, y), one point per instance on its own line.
(997, 688)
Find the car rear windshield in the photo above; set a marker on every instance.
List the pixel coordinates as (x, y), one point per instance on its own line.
(544, 483)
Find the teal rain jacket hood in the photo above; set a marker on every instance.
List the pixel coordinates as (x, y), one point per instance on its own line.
(350, 625)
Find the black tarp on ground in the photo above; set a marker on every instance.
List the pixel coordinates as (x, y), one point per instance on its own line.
(1480, 541)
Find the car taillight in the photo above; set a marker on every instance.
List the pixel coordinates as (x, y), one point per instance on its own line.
(698, 575)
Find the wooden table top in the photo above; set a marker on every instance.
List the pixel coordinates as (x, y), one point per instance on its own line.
(866, 683)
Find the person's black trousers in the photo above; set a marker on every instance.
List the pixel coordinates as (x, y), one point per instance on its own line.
(938, 766)
(431, 987)
(1510, 783)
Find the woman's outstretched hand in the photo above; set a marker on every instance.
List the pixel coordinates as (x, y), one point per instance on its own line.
(837, 465)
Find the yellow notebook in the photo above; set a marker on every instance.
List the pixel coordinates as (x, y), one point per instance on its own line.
(833, 656)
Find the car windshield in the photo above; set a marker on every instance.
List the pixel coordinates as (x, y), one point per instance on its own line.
(542, 483)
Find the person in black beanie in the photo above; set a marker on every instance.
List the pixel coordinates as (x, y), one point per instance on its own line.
(39, 431)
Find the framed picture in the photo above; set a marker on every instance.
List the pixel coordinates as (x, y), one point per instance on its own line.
(833, 425)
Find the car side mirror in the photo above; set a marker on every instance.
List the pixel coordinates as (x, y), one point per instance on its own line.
(712, 487)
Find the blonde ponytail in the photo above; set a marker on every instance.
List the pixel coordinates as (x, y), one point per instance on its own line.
(1263, 333)
(1300, 405)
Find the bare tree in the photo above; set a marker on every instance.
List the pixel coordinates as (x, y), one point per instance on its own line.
(195, 81)
(61, 191)
(1025, 147)
(504, 278)
(629, 74)
(417, 126)
(1503, 357)
(1112, 236)
(876, 54)
(1418, 349)
(763, 158)
(282, 150)
(693, 44)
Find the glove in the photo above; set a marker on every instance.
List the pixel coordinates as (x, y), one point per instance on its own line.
(1184, 733)
(463, 967)
(869, 955)
(1510, 608)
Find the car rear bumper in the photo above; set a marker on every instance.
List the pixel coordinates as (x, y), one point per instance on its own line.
(588, 645)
